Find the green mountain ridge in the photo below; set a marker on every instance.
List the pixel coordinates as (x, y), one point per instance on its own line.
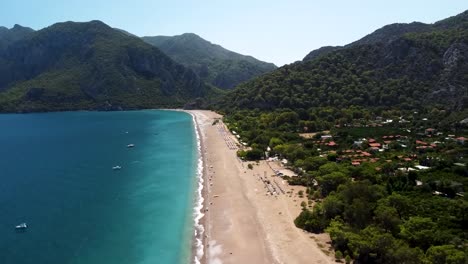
(384, 35)
(419, 68)
(220, 67)
(389, 33)
(71, 66)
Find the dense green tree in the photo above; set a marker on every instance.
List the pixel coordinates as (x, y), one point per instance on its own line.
(419, 231)
(332, 206)
(358, 213)
(312, 221)
(401, 204)
(275, 142)
(313, 163)
(387, 218)
(254, 154)
(446, 254)
(330, 182)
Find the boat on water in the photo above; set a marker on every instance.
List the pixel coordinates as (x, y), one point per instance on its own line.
(116, 168)
(21, 226)
(130, 145)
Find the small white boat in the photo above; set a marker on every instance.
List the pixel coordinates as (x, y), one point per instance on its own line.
(130, 145)
(21, 226)
(116, 168)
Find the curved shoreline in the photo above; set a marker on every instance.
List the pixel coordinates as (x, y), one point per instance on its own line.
(199, 227)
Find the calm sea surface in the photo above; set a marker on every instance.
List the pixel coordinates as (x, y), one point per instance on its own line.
(56, 175)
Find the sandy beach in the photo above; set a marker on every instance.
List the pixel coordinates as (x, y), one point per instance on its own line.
(243, 222)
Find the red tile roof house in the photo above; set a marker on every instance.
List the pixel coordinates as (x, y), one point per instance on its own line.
(419, 142)
(430, 131)
(375, 145)
(374, 149)
(461, 140)
(423, 148)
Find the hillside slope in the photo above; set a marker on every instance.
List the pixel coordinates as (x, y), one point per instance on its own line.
(215, 64)
(416, 69)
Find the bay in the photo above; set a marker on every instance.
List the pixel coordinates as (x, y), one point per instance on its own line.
(56, 175)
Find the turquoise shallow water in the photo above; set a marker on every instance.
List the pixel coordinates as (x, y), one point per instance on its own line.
(56, 175)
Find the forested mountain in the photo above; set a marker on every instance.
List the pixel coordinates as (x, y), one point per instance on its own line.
(91, 66)
(17, 32)
(416, 69)
(219, 66)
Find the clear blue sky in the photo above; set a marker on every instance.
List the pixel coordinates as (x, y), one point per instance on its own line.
(278, 31)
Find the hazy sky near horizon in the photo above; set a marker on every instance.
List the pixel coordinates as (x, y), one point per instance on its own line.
(275, 31)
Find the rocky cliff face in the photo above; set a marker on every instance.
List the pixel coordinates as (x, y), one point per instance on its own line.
(452, 85)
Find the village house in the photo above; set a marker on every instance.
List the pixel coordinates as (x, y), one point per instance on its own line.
(430, 131)
(461, 140)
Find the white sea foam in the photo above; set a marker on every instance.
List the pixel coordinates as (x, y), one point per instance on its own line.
(198, 213)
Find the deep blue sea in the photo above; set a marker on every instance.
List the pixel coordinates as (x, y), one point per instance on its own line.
(56, 175)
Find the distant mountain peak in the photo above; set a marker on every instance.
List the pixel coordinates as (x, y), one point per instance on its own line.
(219, 66)
(89, 23)
(188, 38)
(10, 36)
(16, 27)
(192, 35)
